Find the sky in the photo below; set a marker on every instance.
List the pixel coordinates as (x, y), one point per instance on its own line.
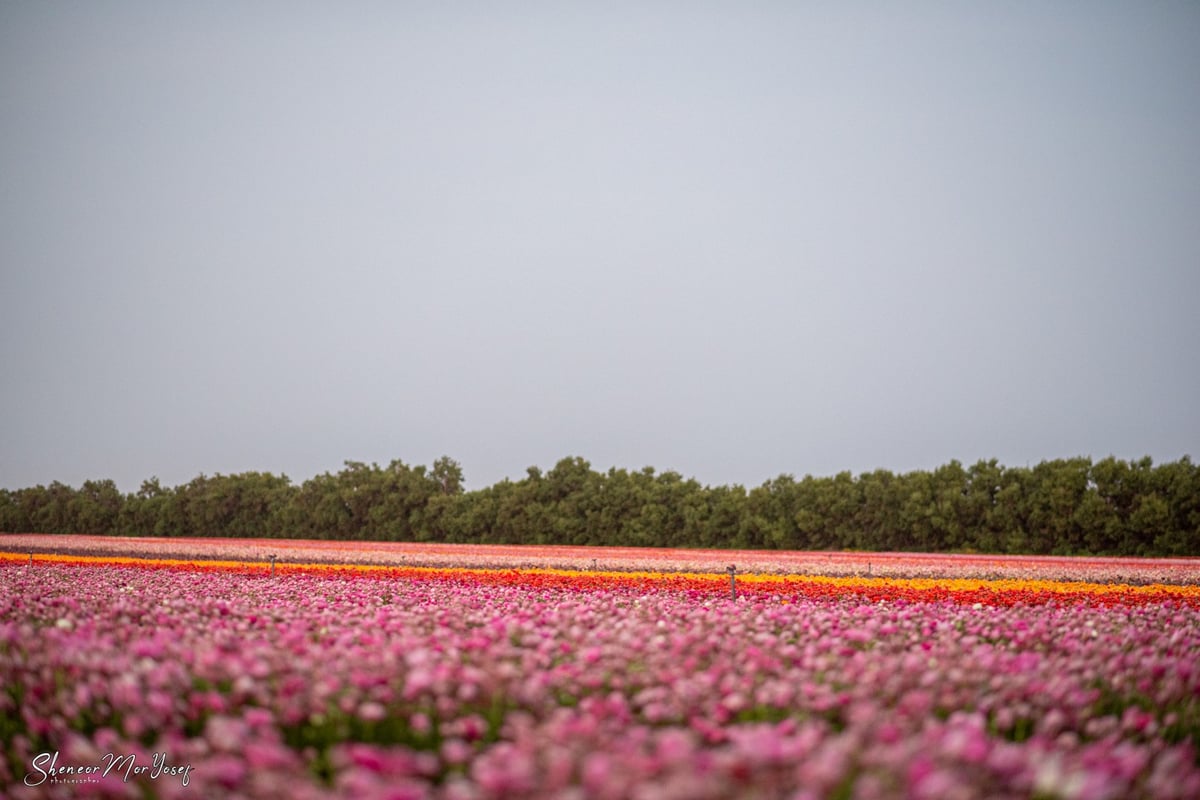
(734, 240)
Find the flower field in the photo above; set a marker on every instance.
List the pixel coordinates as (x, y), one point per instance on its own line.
(1115, 570)
(449, 674)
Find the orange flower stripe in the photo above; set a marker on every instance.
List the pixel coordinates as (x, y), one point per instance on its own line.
(762, 586)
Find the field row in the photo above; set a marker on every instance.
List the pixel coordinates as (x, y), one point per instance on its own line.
(1134, 571)
(691, 584)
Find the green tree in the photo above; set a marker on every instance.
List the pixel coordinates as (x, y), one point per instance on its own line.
(14, 515)
(96, 508)
(877, 523)
(1179, 484)
(448, 475)
(726, 511)
(142, 511)
(50, 508)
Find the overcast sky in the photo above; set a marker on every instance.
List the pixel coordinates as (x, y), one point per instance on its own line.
(730, 239)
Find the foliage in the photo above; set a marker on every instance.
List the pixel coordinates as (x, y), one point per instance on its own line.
(1061, 507)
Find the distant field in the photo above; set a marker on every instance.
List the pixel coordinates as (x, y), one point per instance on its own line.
(1179, 571)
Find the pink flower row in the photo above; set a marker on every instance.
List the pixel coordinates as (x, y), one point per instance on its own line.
(311, 686)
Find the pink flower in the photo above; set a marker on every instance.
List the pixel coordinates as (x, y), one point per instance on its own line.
(225, 733)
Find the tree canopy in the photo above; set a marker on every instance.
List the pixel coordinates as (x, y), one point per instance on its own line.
(1066, 507)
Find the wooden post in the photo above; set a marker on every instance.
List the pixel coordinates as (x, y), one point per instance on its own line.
(272, 565)
(732, 570)
(31, 558)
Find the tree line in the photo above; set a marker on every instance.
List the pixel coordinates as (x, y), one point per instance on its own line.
(1060, 507)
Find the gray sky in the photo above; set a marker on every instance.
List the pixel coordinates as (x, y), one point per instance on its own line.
(730, 239)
